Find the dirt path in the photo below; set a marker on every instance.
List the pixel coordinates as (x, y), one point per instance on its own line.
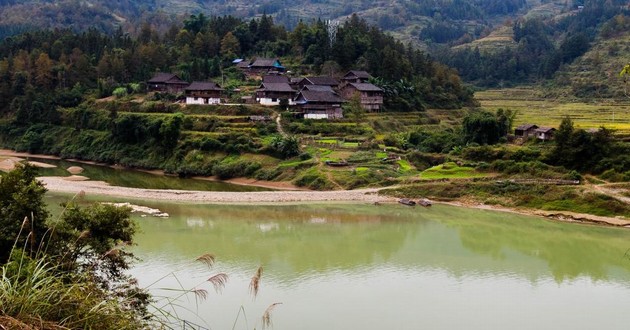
(279, 125)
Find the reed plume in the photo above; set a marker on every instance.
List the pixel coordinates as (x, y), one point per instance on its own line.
(207, 259)
(218, 281)
(266, 318)
(255, 282)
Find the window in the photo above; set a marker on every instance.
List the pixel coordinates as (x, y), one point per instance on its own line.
(274, 100)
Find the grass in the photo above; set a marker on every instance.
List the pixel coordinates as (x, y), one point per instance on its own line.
(450, 171)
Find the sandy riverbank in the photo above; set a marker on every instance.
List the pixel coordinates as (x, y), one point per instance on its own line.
(60, 184)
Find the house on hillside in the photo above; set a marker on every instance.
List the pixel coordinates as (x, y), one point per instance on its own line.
(319, 81)
(272, 93)
(262, 66)
(203, 93)
(356, 76)
(525, 131)
(545, 133)
(371, 96)
(166, 82)
(319, 104)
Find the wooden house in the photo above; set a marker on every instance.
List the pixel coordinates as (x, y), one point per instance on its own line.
(356, 76)
(318, 88)
(203, 93)
(272, 93)
(525, 131)
(371, 96)
(319, 81)
(319, 104)
(166, 82)
(262, 66)
(545, 133)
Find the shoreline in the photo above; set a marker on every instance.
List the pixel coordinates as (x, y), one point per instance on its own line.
(371, 196)
(285, 193)
(15, 156)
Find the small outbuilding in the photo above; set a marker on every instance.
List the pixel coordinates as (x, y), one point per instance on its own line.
(545, 133)
(525, 131)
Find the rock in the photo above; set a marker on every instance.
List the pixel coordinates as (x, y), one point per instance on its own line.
(75, 170)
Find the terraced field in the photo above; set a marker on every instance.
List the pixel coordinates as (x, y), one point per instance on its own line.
(542, 111)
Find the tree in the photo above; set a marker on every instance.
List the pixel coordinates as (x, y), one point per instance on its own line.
(230, 48)
(353, 108)
(625, 72)
(43, 71)
(23, 213)
(482, 127)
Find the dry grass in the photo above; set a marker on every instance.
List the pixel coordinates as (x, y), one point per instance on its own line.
(254, 285)
(266, 318)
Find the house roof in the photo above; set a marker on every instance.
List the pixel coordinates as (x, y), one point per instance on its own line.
(163, 77)
(322, 80)
(266, 62)
(318, 88)
(366, 87)
(275, 79)
(276, 87)
(545, 129)
(353, 74)
(317, 96)
(526, 127)
(203, 86)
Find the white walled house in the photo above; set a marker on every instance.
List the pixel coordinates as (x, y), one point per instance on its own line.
(270, 94)
(203, 93)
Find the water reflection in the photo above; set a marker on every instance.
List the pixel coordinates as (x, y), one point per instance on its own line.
(303, 238)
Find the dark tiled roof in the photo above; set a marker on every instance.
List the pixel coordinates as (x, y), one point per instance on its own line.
(318, 88)
(314, 96)
(323, 80)
(366, 87)
(545, 129)
(203, 86)
(275, 79)
(276, 87)
(526, 127)
(163, 77)
(264, 62)
(357, 74)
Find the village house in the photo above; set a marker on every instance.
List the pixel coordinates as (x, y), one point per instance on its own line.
(203, 93)
(319, 104)
(166, 82)
(262, 66)
(371, 96)
(525, 131)
(355, 76)
(545, 133)
(318, 88)
(272, 93)
(319, 81)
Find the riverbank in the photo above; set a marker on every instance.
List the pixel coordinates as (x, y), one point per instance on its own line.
(61, 185)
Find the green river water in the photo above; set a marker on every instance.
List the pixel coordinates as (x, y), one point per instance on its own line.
(345, 266)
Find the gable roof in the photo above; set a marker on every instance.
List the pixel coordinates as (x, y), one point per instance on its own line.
(275, 79)
(318, 88)
(354, 74)
(322, 80)
(366, 87)
(266, 62)
(545, 129)
(163, 77)
(276, 87)
(203, 86)
(526, 127)
(317, 96)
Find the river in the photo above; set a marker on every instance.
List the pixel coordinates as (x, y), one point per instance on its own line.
(345, 266)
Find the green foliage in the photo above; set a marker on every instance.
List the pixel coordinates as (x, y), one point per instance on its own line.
(483, 127)
(285, 146)
(23, 214)
(120, 92)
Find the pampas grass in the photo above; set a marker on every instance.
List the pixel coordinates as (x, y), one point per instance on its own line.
(266, 318)
(254, 284)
